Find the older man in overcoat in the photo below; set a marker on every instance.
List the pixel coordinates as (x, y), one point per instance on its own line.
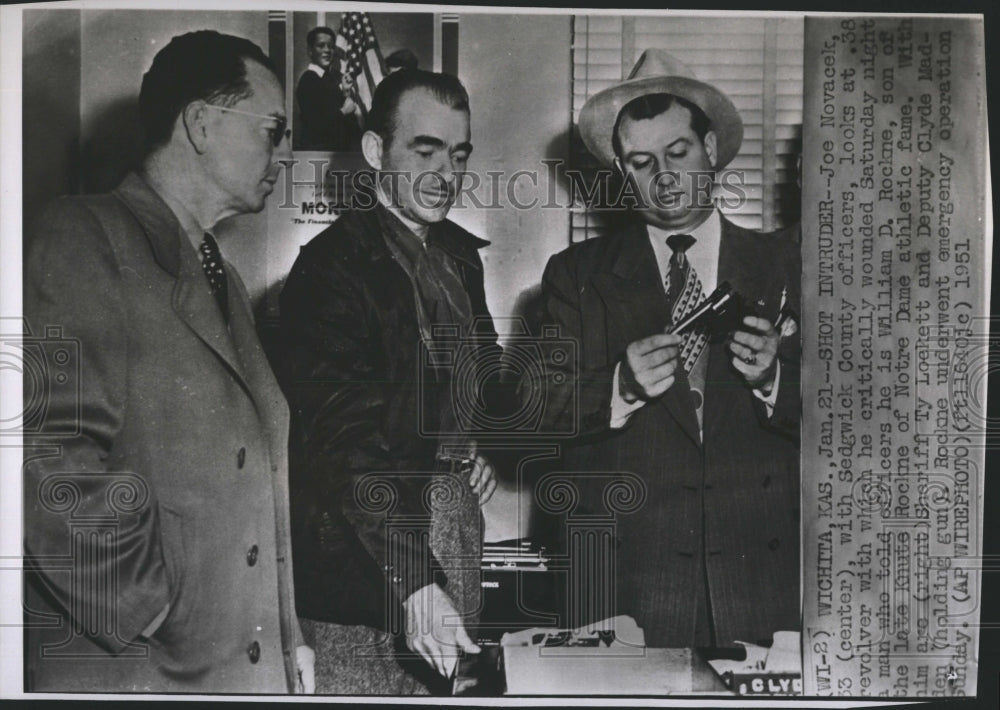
(156, 516)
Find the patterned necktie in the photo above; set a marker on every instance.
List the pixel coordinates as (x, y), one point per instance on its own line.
(684, 293)
(211, 262)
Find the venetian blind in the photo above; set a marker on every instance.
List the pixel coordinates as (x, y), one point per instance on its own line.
(757, 62)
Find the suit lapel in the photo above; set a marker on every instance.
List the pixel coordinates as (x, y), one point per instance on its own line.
(196, 306)
(739, 263)
(634, 297)
(192, 298)
(746, 271)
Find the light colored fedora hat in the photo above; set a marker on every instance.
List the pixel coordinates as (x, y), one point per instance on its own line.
(658, 72)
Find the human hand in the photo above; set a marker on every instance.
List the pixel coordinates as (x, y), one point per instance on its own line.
(434, 630)
(755, 350)
(483, 479)
(305, 663)
(649, 367)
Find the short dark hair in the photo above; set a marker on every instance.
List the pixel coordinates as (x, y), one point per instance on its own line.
(203, 65)
(402, 58)
(316, 32)
(652, 105)
(382, 119)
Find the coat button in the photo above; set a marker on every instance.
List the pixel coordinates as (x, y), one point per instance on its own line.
(773, 544)
(253, 652)
(252, 555)
(767, 481)
(241, 457)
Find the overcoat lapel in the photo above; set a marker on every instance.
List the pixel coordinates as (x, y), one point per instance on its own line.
(268, 398)
(634, 296)
(192, 298)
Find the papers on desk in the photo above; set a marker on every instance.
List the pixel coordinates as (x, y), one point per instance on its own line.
(605, 658)
(619, 632)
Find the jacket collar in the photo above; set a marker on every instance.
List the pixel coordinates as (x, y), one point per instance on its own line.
(192, 299)
(163, 229)
(452, 239)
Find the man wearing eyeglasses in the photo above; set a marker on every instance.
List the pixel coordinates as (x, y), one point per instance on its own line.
(166, 496)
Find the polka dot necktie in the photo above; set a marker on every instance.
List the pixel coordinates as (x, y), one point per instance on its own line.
(211, 262)
(684, 293)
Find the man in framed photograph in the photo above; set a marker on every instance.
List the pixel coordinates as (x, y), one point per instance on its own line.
(328, 113)
(708, 420)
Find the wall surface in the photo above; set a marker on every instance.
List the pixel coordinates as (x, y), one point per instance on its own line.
(50, 106)
(517, 71)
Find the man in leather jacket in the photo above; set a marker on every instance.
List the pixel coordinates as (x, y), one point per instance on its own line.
(386, 483)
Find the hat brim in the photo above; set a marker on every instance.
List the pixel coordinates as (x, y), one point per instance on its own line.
(597, 119)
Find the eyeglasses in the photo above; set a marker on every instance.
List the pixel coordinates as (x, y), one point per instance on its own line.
(280, 130)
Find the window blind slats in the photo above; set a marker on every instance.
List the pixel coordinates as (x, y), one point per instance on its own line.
(601, 40)
(708, 26)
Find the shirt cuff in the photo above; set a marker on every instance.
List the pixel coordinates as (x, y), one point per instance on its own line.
(622, 410)
(770, 399)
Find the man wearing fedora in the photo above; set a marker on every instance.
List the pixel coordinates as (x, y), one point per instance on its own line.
(707, 420)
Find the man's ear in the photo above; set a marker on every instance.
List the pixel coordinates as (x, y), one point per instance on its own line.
(194, 116)
(711, 147)
(371, 148)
